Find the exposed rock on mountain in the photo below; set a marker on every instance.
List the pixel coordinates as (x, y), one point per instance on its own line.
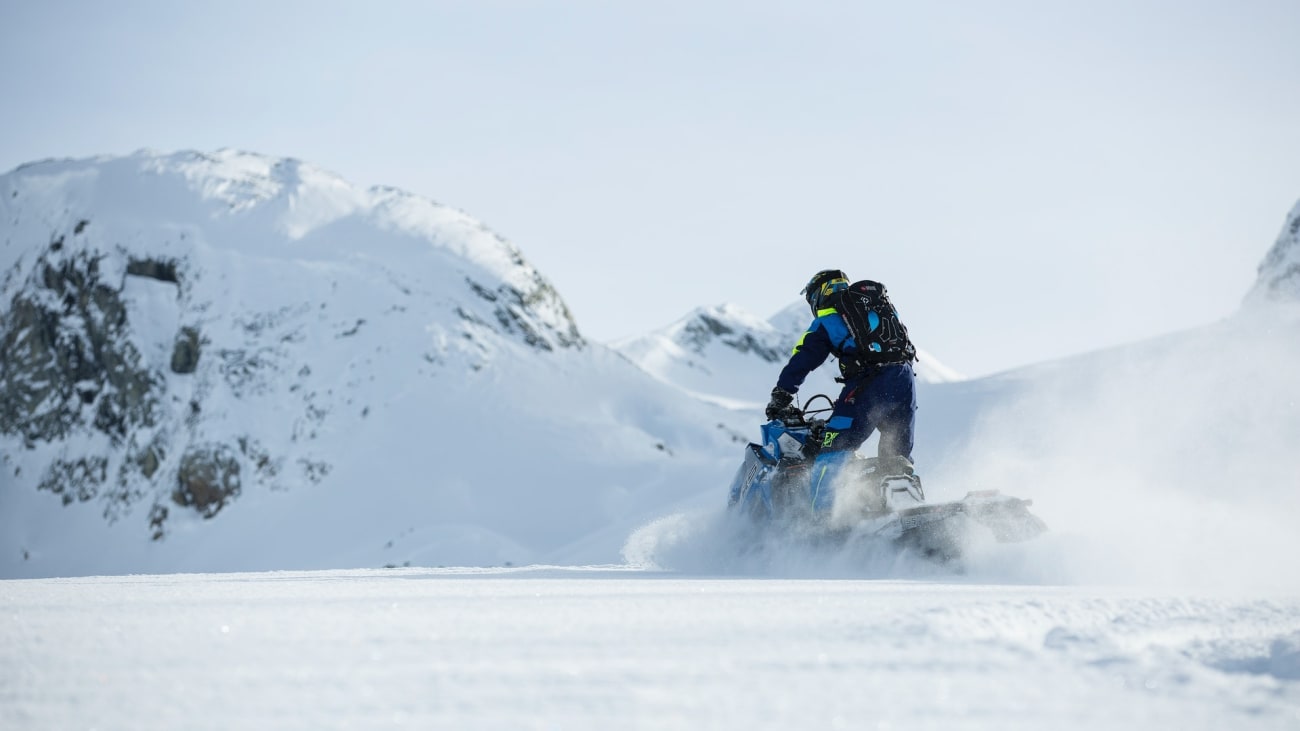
(1279, 273)
(730, 355)
(184, 333)
(89, 277)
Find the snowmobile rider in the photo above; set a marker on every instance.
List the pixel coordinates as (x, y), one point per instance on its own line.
(876, 370)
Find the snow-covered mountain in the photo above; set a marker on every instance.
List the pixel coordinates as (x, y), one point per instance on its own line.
(233, 362)
(728, 355)
(1279, 273)
(221, 362)
(230, 361)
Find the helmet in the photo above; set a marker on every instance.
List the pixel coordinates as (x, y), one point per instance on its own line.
(822, 285)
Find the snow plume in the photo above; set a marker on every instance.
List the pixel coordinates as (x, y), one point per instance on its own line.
(1172, 462)
(715, 542)
(1167, 463)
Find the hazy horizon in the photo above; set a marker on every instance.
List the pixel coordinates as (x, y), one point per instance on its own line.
(1030, 181)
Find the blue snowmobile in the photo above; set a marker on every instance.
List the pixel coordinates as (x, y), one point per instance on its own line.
(874, 499)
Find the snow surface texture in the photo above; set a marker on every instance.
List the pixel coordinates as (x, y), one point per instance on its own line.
(610, 649)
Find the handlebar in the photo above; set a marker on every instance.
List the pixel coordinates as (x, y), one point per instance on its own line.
(808, 410)
(806, 415)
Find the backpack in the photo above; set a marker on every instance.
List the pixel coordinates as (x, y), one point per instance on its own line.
(873, 322)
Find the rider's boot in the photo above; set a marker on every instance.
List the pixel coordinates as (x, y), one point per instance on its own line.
(896, 466)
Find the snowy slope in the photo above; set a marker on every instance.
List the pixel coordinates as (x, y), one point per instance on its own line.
(423, 397)
(228, 361)
(587, 649)
(1168, 461)
(231, 362)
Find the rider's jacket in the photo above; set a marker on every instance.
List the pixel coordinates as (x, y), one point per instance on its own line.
(827, 335)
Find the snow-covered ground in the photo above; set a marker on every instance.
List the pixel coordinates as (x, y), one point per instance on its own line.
(591, 648)
(429, 402)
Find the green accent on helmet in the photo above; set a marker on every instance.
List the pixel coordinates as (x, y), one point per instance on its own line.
(822, 285)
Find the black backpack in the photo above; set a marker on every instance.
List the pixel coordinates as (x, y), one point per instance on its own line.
(873, 322)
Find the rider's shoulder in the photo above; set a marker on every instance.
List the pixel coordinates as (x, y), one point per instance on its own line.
(828, 318)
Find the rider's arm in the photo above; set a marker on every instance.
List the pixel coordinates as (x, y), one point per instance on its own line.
(809, 352)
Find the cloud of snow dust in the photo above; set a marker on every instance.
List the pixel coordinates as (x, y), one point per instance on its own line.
(1173, 462)
(718, 543)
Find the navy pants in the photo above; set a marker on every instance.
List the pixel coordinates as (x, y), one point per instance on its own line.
(884, 398)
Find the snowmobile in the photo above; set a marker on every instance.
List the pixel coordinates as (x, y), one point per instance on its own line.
(875, 500)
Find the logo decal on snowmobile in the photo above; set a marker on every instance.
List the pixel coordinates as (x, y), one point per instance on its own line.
(751, 474)
(916, 521)
(830, 437)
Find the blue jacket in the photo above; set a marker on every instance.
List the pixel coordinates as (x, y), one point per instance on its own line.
(827, 335)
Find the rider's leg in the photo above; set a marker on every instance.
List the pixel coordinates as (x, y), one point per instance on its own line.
(892, 395)
(846, 430)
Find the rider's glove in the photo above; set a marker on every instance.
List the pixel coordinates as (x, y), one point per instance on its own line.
(779, 407)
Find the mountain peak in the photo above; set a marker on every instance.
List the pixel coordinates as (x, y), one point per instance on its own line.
(1279, 272)
(182, 327)
(793, 319)
(263, 207)
(730, 325)
(728, 355)
(246, 179)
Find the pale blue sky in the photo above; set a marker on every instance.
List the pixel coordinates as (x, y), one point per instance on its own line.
(1030, 179)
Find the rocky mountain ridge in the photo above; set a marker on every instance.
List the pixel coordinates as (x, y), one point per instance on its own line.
(188, 332)
(1279, 272)
(730, 355)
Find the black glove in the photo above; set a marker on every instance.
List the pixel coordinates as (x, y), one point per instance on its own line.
(780, 405)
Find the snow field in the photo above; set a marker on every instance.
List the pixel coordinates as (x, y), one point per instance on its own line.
(607, 648)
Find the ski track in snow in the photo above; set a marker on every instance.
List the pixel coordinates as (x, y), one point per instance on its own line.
(612, 647)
